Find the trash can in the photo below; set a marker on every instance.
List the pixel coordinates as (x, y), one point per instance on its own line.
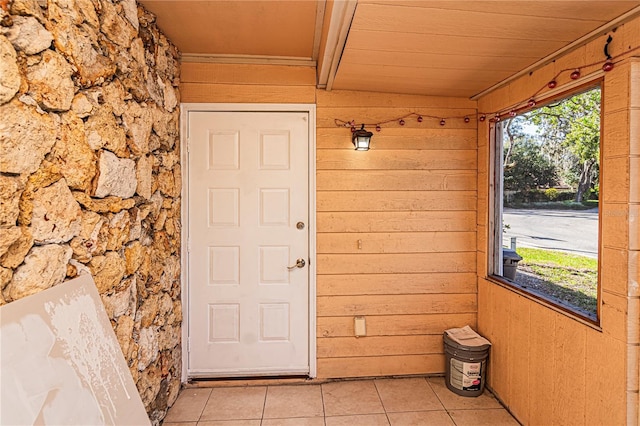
(510, 261)
(466, 354)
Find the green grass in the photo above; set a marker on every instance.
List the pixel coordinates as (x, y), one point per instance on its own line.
(568, 278)
(558, 258)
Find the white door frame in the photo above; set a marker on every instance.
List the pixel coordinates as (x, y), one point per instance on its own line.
(185, 109)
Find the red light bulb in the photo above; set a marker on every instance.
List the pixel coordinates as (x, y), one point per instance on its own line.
(401, 122)
(466, 119)
(378, 128)
(575, 75)
(552, 84)
(420, 119)
(442, 122)
(531, 102)
(482, 117)
(608, 66)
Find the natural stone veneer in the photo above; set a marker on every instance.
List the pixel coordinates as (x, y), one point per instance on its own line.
(90, 172)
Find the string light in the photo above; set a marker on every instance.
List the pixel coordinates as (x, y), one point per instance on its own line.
(420, 118)
(575, 75)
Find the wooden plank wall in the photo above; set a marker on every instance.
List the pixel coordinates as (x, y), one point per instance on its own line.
(396, 233)
(546, 366)
(236, 83)
(411, 201)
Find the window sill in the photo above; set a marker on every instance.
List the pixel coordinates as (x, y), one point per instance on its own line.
(592, 322)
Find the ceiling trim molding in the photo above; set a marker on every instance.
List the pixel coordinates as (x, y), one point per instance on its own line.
(339, 24)
(571, 46)
(248, 59)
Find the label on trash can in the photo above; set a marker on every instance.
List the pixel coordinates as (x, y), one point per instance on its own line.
(465, 375)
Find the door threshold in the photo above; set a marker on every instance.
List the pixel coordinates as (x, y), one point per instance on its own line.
(217, 382)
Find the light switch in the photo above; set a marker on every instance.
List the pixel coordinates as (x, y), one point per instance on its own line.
(360, 326)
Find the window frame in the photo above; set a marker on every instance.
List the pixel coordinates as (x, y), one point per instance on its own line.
(496, 204)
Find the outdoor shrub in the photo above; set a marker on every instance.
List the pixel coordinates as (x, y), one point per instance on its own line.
(566, 196)
(533, 196)
(551, 193)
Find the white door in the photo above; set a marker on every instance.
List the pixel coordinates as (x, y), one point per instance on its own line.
(248, 243)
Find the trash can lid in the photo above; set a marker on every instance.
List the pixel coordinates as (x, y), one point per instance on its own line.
(510, 254)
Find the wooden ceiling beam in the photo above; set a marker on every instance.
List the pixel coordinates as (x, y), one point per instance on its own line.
(340, 20)
(317, 35)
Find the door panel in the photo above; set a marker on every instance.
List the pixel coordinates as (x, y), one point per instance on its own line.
(248, 188)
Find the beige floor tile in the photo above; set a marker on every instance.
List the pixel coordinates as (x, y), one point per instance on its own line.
(420, 418)
(408, 401)
(411, 394)
(351, 397)
(359, 420)
(493, 417)
(453, 401)
(298, 421)
(235, 403)
(188, 407)
(293, 401)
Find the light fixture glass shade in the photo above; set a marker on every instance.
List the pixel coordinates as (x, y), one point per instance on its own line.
(361, 139)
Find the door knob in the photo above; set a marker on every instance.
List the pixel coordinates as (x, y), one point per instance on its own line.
(299, 264)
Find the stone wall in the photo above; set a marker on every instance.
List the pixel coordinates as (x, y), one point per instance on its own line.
(90, 171)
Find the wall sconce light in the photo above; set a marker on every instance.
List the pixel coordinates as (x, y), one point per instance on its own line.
(361, 139)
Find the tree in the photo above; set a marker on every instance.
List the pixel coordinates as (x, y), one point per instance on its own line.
(514, 132)
(570, 131)
(528, 168)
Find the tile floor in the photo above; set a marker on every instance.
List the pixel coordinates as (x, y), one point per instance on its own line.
(403, 401)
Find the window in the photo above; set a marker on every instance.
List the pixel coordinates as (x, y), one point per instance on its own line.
(545, 234)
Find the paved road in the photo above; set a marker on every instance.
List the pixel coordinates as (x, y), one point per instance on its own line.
(574, 231)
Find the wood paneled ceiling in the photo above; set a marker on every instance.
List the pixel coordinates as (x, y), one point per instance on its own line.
(227, 28)
(447, 48)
